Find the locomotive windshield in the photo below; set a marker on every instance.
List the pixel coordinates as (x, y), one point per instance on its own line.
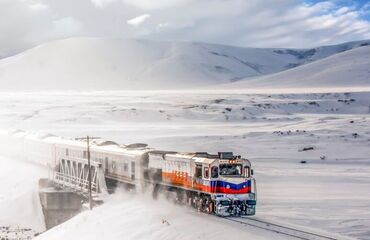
(231, 169)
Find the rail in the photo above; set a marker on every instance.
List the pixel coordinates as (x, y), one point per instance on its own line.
(280, 229)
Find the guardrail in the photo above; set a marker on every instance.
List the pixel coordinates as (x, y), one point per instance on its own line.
(73, 173)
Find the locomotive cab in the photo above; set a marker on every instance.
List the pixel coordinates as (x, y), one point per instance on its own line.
(233, 185)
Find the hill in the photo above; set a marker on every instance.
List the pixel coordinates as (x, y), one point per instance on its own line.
(343, 70)
(125, 64)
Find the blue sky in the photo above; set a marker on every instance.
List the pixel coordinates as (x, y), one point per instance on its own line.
(362, 6)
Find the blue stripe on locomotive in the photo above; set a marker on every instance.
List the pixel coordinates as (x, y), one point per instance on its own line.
(233, 186)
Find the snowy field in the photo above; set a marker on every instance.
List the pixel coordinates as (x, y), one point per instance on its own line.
(20, 209)
(330, 191)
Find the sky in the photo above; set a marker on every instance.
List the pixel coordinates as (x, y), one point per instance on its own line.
(248, 23)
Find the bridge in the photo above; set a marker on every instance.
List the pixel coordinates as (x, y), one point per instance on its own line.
(73, 173)
(69, 185)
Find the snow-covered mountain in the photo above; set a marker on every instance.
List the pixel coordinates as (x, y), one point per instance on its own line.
(111, 64)
(347, 69)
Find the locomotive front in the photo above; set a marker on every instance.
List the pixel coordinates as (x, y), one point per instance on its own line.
(233, 186)
(215, 183)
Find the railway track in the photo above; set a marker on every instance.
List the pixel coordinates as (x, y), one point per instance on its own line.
(280, 229)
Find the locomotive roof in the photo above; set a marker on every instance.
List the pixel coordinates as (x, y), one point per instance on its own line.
(201, 157)
(204, 160)
(191, 156)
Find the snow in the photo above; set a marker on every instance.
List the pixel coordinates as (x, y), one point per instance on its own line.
(287, 100)
(270, 129)
(19, 200)
(131, 216)
(125, 64)
(344, 70)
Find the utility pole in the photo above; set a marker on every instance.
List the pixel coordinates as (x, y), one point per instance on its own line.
(89, 168)
(89, 165)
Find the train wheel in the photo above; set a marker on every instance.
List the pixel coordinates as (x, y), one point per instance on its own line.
(189, 199)
(155, 191)
(211, 207)
(180, 197)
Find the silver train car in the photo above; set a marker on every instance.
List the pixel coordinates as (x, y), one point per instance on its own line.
(220, 184)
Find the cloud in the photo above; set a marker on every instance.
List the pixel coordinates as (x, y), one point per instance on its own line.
(102, 3)
(67, 26)
(153, 4)
(138, 20)
(255, 23)
(38, 6)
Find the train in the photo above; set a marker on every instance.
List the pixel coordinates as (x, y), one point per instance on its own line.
(222, 184)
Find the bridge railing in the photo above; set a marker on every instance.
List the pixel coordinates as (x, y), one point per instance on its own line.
(74, 182)
(72, 172)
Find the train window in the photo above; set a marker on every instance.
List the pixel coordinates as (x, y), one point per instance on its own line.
(246, 172)
(198, 171)
(214, 172)
(133, 170)
(113, 165)
(206, 172)
(231, 169)
(125, 166)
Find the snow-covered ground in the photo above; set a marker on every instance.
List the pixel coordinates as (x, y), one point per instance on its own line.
(20, 208)
(329, 192)
(130, 216)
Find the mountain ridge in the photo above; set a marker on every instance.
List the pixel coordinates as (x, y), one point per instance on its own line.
(131, 64)
(344, 70)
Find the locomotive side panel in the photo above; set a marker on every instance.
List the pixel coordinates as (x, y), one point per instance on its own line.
(177, 171)
(172, 169)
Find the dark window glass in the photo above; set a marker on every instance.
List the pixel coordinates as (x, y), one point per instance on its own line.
(231, 169)
(206, 172)
(198, 171)
(214, 172)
